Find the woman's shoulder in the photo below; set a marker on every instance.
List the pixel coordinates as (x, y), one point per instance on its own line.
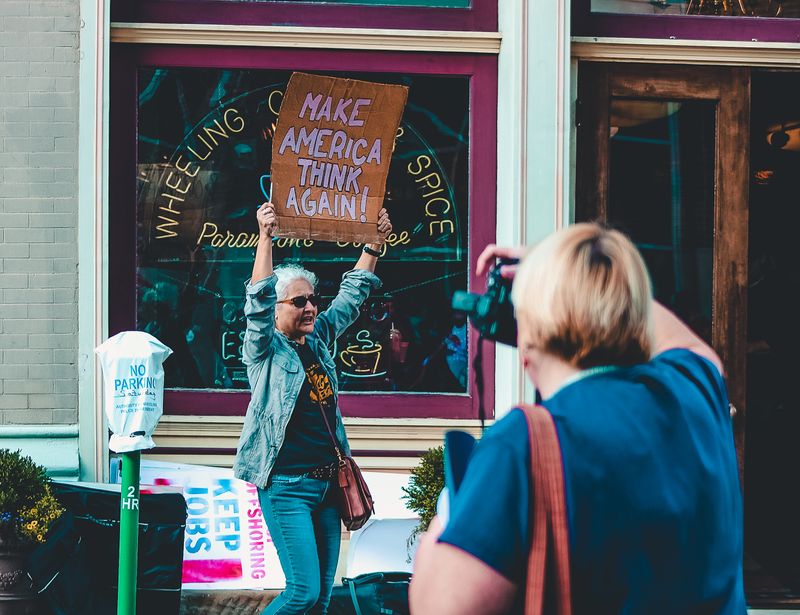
(681, 355)
(509, 435)
(675, 364)
(511, 423)
(671, 375)
(687, 367)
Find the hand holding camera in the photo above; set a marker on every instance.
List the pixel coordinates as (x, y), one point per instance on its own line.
(492, 313)
(511, 256)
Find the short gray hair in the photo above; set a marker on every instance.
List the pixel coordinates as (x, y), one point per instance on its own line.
(289, 273)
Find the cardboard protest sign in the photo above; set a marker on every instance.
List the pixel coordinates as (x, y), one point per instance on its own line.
(330, 156)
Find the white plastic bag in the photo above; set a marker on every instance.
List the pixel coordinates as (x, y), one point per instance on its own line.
(134, 388)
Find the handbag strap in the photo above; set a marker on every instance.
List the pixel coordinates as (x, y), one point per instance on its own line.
(548, 559)
(354, 597)
(335, 442)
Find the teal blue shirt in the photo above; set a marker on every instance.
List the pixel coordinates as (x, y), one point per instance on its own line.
(653, 498)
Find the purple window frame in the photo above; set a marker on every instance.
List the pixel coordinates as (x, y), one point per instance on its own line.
(481, 16)
(682, 27)
(482, 70)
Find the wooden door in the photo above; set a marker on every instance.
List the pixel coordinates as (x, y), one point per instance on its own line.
(663, 155)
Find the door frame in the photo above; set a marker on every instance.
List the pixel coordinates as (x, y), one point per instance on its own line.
(729, 89)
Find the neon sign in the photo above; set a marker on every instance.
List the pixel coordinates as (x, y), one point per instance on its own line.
(361, 360)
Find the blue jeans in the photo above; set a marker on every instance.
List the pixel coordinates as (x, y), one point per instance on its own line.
(304, 522)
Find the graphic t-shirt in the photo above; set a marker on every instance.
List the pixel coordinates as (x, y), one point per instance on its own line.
(307, 443)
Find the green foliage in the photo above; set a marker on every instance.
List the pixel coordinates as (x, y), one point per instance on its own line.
(34, 522)
(27, 507)
(424, 486)
(22, 482)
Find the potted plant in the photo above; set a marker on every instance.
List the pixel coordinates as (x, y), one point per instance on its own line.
(27, 510)
(424, 487)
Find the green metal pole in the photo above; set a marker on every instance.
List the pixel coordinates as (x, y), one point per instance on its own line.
(128, 534)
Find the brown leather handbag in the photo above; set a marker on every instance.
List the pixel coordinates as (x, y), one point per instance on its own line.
(355, 500)
(548, 560)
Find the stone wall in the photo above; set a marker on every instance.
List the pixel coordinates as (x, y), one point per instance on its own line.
(38, 211)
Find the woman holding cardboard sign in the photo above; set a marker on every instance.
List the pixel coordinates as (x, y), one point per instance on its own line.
(285, 448)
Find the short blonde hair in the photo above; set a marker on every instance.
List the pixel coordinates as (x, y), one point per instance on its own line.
(583, 295)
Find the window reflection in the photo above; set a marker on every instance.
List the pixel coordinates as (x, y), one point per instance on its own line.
(661, 193)
(204, 149)
(427, 3)
(729, 8)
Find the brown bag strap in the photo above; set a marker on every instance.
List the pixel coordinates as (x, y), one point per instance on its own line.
(335, 442)
(548, 560)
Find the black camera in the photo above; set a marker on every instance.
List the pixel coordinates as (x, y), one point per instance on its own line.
(492, 313)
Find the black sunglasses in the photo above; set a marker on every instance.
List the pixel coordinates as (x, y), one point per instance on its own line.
(301, 300)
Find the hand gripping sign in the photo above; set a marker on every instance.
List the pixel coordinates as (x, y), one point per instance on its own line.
(331, 154)
(134, 388)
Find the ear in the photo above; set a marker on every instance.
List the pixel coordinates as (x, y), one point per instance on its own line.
(525, 356)
(530, 357)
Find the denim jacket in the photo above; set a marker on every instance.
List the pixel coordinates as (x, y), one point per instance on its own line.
(276, 374)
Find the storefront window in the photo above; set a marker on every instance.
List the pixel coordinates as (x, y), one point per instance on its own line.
(447, 15)
(661, 193)
(432, 3)
(719, 20)
(730, 8)
(204, 147)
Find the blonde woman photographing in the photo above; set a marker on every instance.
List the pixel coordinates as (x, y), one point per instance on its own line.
(639, 403)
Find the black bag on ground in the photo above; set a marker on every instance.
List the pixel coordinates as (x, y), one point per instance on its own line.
(58, 568)
(374, 593)
(76, 569)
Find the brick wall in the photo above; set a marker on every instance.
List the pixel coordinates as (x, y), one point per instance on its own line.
(38, 211)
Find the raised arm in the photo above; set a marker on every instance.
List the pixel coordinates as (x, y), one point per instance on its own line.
(259, 306)
(366, 260)
(355, 288)
(262, 265)
(669, 332)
